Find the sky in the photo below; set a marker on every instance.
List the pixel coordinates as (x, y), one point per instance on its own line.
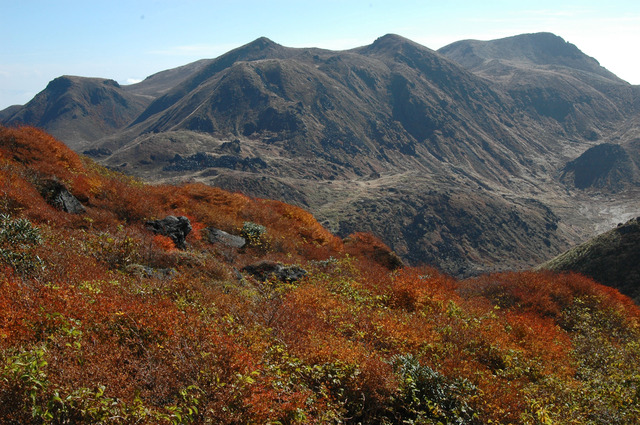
(130, 40)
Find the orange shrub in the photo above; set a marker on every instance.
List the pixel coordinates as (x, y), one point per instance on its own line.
(365, 245)
(40, 151)
(164, 243)
(416, 289)
(299, 224)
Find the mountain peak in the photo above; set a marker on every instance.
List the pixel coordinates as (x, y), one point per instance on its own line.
(546, 44)
(65, 81)
(389, 38)
(537, 48)
(525, 50)
(391, 41)
(59, 84)
(391, 44)
(262, 43)
(259, 48)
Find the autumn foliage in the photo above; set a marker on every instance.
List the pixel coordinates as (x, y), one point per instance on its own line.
(103, 321)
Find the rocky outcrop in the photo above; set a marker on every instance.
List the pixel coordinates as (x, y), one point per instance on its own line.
(202, 161)
(177, 228)
(217, 236)
(264, 270)
(59, 196)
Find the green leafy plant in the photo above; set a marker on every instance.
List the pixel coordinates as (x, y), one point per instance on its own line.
(116, 250)
(254, 234)
(427, 396)
(18, 238)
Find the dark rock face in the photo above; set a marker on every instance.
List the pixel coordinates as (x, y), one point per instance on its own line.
(263, 270)
(97, 153)
(177, 228)
(59, 196)
(232, 148)
(217, 236)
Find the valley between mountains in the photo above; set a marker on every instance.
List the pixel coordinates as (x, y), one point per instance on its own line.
(481, 156)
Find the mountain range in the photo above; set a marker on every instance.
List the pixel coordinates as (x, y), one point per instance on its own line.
(480, 156)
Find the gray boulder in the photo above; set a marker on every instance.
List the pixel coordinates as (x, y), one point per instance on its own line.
(177, 228)
(58, 196)
(217, 236)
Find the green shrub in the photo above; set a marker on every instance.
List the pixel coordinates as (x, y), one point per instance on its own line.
(254, 234)
(115, 250)
(427, 396)
(24, 386)
(18, 238)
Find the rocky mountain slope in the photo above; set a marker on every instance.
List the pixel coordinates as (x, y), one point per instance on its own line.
(438, 153)
(79, 109)
(553, 81)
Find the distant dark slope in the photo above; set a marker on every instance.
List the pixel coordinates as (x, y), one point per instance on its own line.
(464, 232)
(612, 258)
(78, 109)
(605, 166)
(5, 114)
(613, 166)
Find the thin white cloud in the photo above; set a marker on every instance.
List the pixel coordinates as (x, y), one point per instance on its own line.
(133, 80)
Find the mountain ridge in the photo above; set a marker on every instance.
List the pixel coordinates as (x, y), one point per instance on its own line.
(97, 107)
(544, 49)
(389, 131)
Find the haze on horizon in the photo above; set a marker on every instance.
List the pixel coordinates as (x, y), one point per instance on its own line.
(128, 41)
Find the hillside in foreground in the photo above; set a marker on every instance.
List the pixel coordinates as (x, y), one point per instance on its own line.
(612, 258)
(263, 316)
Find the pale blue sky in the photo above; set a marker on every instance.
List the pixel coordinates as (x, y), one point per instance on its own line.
(130, 40)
